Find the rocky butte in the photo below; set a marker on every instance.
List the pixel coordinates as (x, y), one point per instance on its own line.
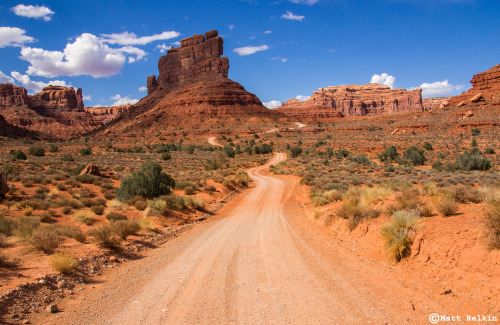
(192, 81)
(55, 112)
(354, 100)
(485, 88)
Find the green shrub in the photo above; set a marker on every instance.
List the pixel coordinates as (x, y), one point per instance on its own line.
(415, 156)
(36, 151)
(390, 154)
(472, 160)
(475, 132)
(295, 151)
(427, 146)
(174, 202)
(85, 151)
(489, 151)
(53, 148)
(63, 262)
(9, 171)
(165, 156)
(361, 159)
(46, 239)
(18, 155)
(399, 234)
(149, 182)
(67, 157)
(341, 153)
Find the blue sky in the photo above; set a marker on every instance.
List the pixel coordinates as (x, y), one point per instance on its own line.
(277, 49)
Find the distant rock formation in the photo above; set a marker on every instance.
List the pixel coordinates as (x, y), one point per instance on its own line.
(485, 88)
(354, 100)
(434, 102)
(107, 114)
(192, 82)
(55, 112)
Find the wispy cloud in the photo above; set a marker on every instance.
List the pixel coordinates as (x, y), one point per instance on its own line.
(127, 38)
(280, 59)
(306, 2)
(37, 12)
(291, 16)
(247, 50)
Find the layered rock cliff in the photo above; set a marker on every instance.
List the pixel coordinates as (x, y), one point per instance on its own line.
(354, 100)
(55, 112)
(485, 88)
(107, 114)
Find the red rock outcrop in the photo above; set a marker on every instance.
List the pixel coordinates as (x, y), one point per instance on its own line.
(192, 83)
(55, 112)
(59, 97)
(198, 57)
(11, 95)
(354, 100)
(485, 88)
(434, 102)
(107, 114)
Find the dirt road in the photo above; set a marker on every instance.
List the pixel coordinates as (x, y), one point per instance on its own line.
(213, 141)
(260, 261)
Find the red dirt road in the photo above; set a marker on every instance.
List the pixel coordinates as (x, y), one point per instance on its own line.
(260, 261)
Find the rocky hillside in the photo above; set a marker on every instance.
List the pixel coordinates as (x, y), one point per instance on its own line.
(485, 89)
(107, 114)
(354, 100)
(55, 112)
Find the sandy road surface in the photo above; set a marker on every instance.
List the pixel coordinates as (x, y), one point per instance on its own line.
(260, 261)
(213, 141)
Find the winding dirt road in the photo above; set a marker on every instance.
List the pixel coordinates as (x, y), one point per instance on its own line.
(261, 260)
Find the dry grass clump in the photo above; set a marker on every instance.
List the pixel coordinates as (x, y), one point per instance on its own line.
(355, 211)
(105, 237)
(85, 217)
(125, 228)
(46, 239)
(466, 194)
(69, 232)
(115, 216)
(3, 240)
(492, 226)
(399, 234)
(195, 203)
(63, 262)
(26, 227)
(446, 205)
(319, 198)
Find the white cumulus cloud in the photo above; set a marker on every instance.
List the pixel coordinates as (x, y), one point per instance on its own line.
(290, 16)
(302, 98)
(87, 55)
(35, 86)
(247, 50)
(163, 47)
(5, 78)
(272, 104)
(438, 88)
(127, 38)
(87, 97)
(13, 36)
(119, 100)
(33, 12)
(383, 79)
(142, 89)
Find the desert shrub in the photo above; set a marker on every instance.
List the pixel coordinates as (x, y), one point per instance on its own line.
(69, 232)
(399, 234)
(125, 228)
(492, 226)
(85, 217)
(189, 190)
(466, 194)
(415, 156)
(408, 199)
(472, 160)
(180, 185)
(18, 155)
(446, 205)
(53, 148)
(105, 237)
(67, 157)
(36, 151)
(115, 216)
(295, 151)
(426, 211)
(341, 153)
(140, 205)
(427, 146)
(45, 239)
(148, 183)
(26, 227)
(355, 211)
(63, 262)
(10, 171)
(229, 151)
(390, 154)
(166, 156)
(85, 151)
(209, 188)
(475, 132)
(174, 202)
(69, 203)
(97, 209)
(195, 203)
(241, 178)
(86, 179)
(7, 226)
(361, 159)
(489, 151)
(156, 207)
